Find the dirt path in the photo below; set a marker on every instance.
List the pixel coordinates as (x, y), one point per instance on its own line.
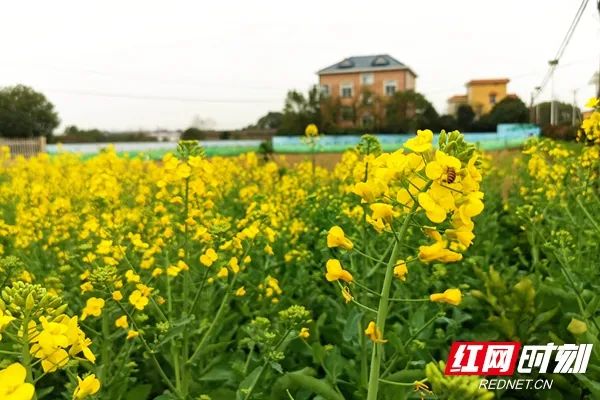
(329, 160)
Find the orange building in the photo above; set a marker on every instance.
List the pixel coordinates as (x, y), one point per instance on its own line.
(456, 101)
(356, 80)
(482, 95)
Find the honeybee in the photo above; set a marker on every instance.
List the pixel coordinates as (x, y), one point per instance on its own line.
(451, 175)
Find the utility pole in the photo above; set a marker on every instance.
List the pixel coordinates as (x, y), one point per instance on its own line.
(531, 110)
(573, 107)
(537, 107)
(553, 64)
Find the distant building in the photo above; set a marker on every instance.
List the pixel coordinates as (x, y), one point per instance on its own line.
(162, 135)
(482, 95)
(456, 101)
(354, 79)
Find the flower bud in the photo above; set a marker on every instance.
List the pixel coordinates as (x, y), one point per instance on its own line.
(29, 302)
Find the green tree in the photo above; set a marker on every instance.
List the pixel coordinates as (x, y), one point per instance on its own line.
(272, 120)
(26, 113)
(509, 110)
(409, 111)
(301, 110)
(564, 113)
(193, 134)
(448, 123)
(73, 134)
(465, 117)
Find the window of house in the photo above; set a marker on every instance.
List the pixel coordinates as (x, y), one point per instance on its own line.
(367, 79)
(367, 120)
(346, 90)
(325, 90)
(492, 98)
(389, 88)
(380, 61)
(347, 63)
(347, 113)
(366, 98)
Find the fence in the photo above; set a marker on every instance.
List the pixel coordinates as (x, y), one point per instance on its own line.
(506, 136)
(25, 147)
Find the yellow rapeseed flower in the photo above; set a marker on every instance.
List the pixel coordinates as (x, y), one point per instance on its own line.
(592, 102)
(438, 252)
(335, 271)
(400, 270)
(436, 202)
(304, 333)
(5, 319)
(450, 296)
(138, 300)
(421, 143)
(337, 238)
(444, 168)
(132, 334)
(173, 270)
(13, 385)
(241, 291)
(209, 257)
(121, 322)
(234, 265)
(374, 333)
(92, 307)
(87, 386)
(223, 273)
(131, 276)
(311, 130)
(382, 211)
(346, 294)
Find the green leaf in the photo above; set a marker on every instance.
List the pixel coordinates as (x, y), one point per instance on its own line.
(139, 392)
(304, 379)
(593, 386)
(176, 330)
(351, 327)
(248, 382)
(218, 373)
(276, 366)
(543, 318)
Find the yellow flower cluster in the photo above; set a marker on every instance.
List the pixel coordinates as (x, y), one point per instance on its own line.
(442, 186)
(57, 341)
(590, 127)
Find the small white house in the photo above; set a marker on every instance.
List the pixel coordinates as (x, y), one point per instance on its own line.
(165, 135)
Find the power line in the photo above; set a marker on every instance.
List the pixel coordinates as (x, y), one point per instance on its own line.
(162, 98)
(561, 50)
(516, 77)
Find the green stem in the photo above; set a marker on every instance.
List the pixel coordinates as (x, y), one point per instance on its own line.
(214, 322)
(364, 366)
(264, 366)
(382, 311)
(580, 301)
(150, 352)
(105, 347)
(251, 388)
(186, 294)
(25, 352)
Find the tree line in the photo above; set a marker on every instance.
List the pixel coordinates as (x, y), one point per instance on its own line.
(26, 113)
(404, 112)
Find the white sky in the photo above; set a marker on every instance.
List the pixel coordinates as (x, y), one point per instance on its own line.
(146, 64)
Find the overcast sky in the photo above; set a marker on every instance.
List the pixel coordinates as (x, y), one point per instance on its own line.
(147, 64)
